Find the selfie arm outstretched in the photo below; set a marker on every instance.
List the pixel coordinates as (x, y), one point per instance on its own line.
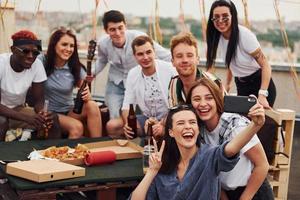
(257, 115)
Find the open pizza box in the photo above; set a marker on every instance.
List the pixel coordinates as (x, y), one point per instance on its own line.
(44, 170)
(124, 149)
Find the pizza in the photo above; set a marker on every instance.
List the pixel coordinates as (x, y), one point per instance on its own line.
(65, 152)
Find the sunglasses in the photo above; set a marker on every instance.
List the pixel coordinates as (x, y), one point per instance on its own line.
(27, 51)
(220, 19)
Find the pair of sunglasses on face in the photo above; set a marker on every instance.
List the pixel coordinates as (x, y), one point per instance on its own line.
(220, 19)
(26, 51)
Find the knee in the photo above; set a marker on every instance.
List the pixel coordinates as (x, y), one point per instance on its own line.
(114, 127)
(76, 131)
(92, 108)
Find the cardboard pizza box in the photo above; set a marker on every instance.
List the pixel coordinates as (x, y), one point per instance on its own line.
(44, 170)
(124, 149)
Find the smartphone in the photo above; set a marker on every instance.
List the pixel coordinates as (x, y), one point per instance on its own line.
(238, 104)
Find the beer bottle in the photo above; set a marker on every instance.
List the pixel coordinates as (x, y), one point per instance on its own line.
(150, 131)
(43, 132)
(131, 120)
(148, 148)
(78, 100)
(149, 135)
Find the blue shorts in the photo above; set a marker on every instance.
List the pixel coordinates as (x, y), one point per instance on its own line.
(114, 96)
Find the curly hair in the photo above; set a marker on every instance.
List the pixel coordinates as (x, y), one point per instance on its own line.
(24, 34)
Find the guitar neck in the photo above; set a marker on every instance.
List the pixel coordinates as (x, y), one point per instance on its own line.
(89, 72)
(91, 53)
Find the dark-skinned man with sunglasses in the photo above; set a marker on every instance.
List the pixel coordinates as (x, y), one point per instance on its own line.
(20, 70)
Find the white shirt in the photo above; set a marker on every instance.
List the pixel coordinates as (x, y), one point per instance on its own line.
(121, 60)
(229, 126)
(135, 86)
(242, 64)
(154, 98)
(14, 85)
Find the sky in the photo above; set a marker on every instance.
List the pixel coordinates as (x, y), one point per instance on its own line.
(258, 9)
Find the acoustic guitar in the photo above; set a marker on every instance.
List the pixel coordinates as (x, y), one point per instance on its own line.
(90, 56)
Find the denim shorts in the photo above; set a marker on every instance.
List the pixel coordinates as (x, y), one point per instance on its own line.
(114, 96)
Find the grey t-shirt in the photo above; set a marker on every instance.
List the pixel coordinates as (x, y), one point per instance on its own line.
(59, 88)
(201, 180)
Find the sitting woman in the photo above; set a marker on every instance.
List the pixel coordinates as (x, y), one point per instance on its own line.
(64, 72)
(186, 169)
(248, 178)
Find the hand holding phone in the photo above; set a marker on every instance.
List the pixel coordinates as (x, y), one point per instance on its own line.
(238, 104)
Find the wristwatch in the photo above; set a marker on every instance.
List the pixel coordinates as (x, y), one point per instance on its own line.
(263, 92)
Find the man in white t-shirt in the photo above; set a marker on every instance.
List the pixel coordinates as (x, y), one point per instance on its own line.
(147, 87)
(19, 71)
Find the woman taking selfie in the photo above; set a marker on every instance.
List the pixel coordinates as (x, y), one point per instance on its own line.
(242, 54)
(184, 169)
(65, 72)
(248, 178)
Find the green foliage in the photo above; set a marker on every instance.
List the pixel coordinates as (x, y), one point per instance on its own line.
(167, 23)
(274, 36)
(196, 29)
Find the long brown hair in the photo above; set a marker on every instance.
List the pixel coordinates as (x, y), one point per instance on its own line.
(216, 92)
(74, 63)
(171, 155)
(213, 35)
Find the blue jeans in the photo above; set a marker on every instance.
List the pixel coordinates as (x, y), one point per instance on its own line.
(114, 96)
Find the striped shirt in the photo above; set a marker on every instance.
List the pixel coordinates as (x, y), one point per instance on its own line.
(176, 92)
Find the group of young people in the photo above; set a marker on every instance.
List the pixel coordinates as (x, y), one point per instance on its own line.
(202, 147)
(53, 77)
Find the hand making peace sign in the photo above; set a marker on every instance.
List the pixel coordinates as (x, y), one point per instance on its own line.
(155, 158)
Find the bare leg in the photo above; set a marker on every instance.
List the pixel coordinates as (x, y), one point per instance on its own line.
(90, 114)
(114, 128)
(73, 126)
(93, 118)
